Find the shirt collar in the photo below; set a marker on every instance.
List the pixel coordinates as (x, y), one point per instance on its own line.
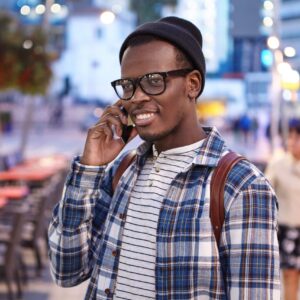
(209, 152)
(212, 148)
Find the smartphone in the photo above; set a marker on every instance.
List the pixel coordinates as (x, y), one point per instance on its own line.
(126, 129)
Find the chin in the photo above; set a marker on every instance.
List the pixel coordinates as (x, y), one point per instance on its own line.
(152, 137)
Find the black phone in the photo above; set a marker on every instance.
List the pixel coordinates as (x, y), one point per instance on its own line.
(126, 129)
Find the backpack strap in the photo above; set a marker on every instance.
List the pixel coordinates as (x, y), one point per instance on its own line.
(217, 185)
(126, 161)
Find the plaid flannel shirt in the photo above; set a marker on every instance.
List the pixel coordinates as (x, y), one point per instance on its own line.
(85, 233)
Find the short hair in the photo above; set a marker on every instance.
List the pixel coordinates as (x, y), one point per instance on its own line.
(294, 125)
(182, 59)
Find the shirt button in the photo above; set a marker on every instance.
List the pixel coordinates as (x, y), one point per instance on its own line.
(122, 216)
(157, 169)
(114, 253)
(150, 183)
(107, 291)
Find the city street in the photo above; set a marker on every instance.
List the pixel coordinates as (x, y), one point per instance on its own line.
(69, 140)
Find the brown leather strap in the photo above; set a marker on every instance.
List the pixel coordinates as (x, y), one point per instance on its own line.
(219, 177)
(127, 160)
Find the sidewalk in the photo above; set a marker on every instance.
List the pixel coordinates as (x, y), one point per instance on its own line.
(70, 140)
(42, 141)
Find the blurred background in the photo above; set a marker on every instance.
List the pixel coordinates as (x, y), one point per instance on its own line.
(57, 58)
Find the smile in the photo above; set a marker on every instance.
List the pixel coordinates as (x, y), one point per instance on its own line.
(144, 119)
(144, 116)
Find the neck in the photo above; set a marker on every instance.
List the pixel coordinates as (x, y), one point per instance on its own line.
(191, 137)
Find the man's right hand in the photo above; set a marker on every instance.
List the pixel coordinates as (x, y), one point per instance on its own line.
(101, 146)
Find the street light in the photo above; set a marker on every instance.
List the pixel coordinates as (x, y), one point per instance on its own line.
(271, 24)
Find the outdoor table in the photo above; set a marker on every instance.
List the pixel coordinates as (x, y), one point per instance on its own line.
(35, 171)
(3, 202)
(13, 192)
(26, 174)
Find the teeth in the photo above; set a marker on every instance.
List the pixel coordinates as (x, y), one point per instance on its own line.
(144, 116)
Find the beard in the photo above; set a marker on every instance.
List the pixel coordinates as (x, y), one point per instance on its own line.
(153, 137)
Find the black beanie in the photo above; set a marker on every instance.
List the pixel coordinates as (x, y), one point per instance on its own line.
(179, 32)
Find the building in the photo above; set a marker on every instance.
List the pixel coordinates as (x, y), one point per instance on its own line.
(289, 29)
(248, 41)
(7, 4)
(211, 16)
(90, 59)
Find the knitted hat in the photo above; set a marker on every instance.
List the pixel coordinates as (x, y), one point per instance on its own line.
(179, 32)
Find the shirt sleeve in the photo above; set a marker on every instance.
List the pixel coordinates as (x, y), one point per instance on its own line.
(250, 247)
(74, 232)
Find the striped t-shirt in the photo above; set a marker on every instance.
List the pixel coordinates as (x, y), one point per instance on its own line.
(136, 273)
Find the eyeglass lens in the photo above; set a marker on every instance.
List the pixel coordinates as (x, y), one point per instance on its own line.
(152, 84)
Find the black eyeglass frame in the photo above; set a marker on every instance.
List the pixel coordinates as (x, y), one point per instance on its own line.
(137, 81)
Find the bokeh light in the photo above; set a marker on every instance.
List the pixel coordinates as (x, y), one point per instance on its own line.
(289, 51)
(27, 44)
(25, 10)
(40, 9)
(55, 8)
(268, 5)
(273, 42)
(268, 21)
(107, 17)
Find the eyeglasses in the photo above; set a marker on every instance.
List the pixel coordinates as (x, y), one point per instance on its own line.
(151, 83)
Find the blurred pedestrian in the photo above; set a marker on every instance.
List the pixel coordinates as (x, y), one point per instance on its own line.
(245, 125)
(255, 129)
(284, 174)
(152, 238)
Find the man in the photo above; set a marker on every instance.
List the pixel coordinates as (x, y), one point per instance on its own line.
(283, 171)
(152, 238)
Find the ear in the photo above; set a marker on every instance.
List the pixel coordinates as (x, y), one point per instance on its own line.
(194, 84)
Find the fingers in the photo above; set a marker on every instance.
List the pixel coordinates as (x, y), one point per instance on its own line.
(118, 111)
(111, 122)
(101, 130)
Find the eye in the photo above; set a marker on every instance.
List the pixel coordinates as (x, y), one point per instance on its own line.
(155, 79)
(126, 85)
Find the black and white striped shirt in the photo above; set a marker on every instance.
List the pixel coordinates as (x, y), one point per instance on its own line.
(136, 273)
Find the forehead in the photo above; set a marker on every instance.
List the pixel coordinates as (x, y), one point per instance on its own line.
(146, 58)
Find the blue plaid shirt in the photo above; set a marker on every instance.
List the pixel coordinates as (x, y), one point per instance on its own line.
(85, 233)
